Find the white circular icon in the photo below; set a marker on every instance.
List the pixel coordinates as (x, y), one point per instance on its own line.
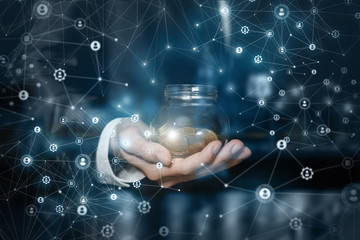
(26, 38)
(322, 130)
(100, 175)
(164, 231)
(312, 46)
(79, 23)
(82, 210)
(337, 88)
(304, 103)
(269, 33)
(159, 165)
(113, 196)
(71, 183)
(348, 163)
(63, 120)
(282, 50)
(281, 11)
(261, 102)
(42, 9)
(31, 210)
(26, 160)
(79, 141)
(40, 199)
(95, 120)
(239, 50)
(82, 161)
(264, 193)
(225, 11)
(37, 129)
(299, 25)
(4, 60)
(351, 195)
(95, 46)
(314, 10)
(115, 161)
(281, 144)
(23, 95)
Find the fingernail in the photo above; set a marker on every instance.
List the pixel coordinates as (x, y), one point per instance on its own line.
(216, 149)
(236, 149)
(241, 155)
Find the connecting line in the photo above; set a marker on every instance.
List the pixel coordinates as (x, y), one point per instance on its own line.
(326, 224)
(295, 158)
(212, 173)
(281, 210)
(268, 232)
(273, 170)
(287, 182)
(252, 166)
(255, 217)
(233, 210)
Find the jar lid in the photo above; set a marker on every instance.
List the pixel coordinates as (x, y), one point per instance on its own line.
(190, 91)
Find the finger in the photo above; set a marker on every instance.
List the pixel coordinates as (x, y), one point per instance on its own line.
(230, 151)
(150, 170)
(235, 161)
(132, 142)
(189, 165)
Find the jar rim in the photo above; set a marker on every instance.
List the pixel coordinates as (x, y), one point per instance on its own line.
(190, 91)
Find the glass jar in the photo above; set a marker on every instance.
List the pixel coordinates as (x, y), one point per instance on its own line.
(189, 119)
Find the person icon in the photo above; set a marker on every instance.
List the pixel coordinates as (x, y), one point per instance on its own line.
(59, 74)
(79, 23)
(42, 9)
(82, 161)
(164, 231)
(82, 210)
(353, 196)
(304, 103)
(95, 46)
(26, 160)
(281, 144)
(281, 12)
(265, 193)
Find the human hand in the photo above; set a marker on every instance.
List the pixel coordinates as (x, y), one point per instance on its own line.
(144, 155)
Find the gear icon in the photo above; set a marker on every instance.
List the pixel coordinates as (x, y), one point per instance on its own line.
(59, 74)
(59, 209)
(107, 231)
(53, 147)
(136, 184)
(307, 173)
(46, 179)
(258, 59)
(244, 29)
(295, 224)
(144, 207)
(135, 118)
